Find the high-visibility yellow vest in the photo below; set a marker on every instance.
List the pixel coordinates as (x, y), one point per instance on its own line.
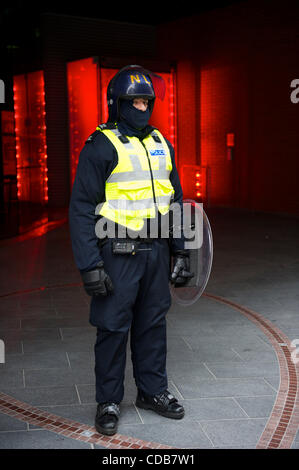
(140, 183)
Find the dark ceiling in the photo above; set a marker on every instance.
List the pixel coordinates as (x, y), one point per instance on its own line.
(20, 20)
(142, 11)
(135, 11)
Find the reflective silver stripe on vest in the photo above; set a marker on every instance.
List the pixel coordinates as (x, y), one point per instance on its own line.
(164, 200)
(135, 160)
(138, 173)
(125, 204)
(141, 175)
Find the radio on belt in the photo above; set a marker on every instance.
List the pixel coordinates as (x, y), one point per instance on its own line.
(124, 248)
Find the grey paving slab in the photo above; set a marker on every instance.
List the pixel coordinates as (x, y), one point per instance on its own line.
(257, 407)
(79, 359)
(274, 382)
(205, 388)
(245, 369)
(197, 409)
(87, 333)
(71, 345)
(234, 432)
(11, 378)
(35, 361)
(207, 351)
(39, 439)
(248, 342)
(248, 446)
(42, 346)
(188, 370)
(87, 394)
(58, 377)
(7, 423)
(13, 347)
(213, 408)
(256, 355)
(80, 413)
(30, 334)
(178, 434)
(43, 396)
(217, 330)
(31, 313)
(7, 323)
(54, 322)
(297, 436)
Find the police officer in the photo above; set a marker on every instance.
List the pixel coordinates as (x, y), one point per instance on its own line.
(127, 176)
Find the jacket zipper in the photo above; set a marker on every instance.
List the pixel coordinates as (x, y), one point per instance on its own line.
(149, 162)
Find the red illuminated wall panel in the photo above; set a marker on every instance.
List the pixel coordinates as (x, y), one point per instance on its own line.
(216, 121)
(82, 81)
(30, 131)
(8, 143)
(105, 77)
(194, 182)
(87, 92)
(164, 114)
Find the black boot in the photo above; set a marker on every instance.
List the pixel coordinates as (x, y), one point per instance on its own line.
(107, 418)
(164, 404)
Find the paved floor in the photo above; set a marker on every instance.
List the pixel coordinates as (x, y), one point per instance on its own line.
(230, 364)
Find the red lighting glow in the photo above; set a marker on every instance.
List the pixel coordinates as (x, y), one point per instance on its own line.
(193, 182)
(82, 82)
(87, 92)
(30, 131)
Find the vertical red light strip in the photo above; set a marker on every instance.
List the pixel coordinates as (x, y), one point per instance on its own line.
(194, 182)
(106, 75)
(20, 110)
(83, 100)
(30, 131)
(172, 111)
(40, 105)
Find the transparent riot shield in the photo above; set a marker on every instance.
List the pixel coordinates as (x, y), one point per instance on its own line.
(199, 240)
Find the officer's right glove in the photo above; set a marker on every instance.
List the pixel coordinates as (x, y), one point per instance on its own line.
(97, 282)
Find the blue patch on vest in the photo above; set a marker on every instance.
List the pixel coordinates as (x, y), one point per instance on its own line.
(157, 152)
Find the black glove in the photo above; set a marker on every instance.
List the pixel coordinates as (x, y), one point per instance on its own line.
(181, 268)
(97, 281)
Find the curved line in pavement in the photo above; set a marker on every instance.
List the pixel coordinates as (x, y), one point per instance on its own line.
(283, 422)
(279, 431)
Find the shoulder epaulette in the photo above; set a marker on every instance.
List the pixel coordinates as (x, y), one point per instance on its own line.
(101, 127)
(91, 137)
(107, 125)
(155, 135)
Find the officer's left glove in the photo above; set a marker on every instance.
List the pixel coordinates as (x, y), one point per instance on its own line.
(96, 281)
(181, 268)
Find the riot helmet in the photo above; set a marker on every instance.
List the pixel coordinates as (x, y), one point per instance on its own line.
(133, 81)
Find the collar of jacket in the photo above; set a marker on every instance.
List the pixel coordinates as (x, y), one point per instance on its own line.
(129, 131)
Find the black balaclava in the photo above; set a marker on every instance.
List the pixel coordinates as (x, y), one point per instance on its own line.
(132, 121)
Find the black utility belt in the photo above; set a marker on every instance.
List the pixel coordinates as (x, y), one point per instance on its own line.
(129, 247)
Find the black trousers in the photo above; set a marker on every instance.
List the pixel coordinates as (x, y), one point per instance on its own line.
(139, 304)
